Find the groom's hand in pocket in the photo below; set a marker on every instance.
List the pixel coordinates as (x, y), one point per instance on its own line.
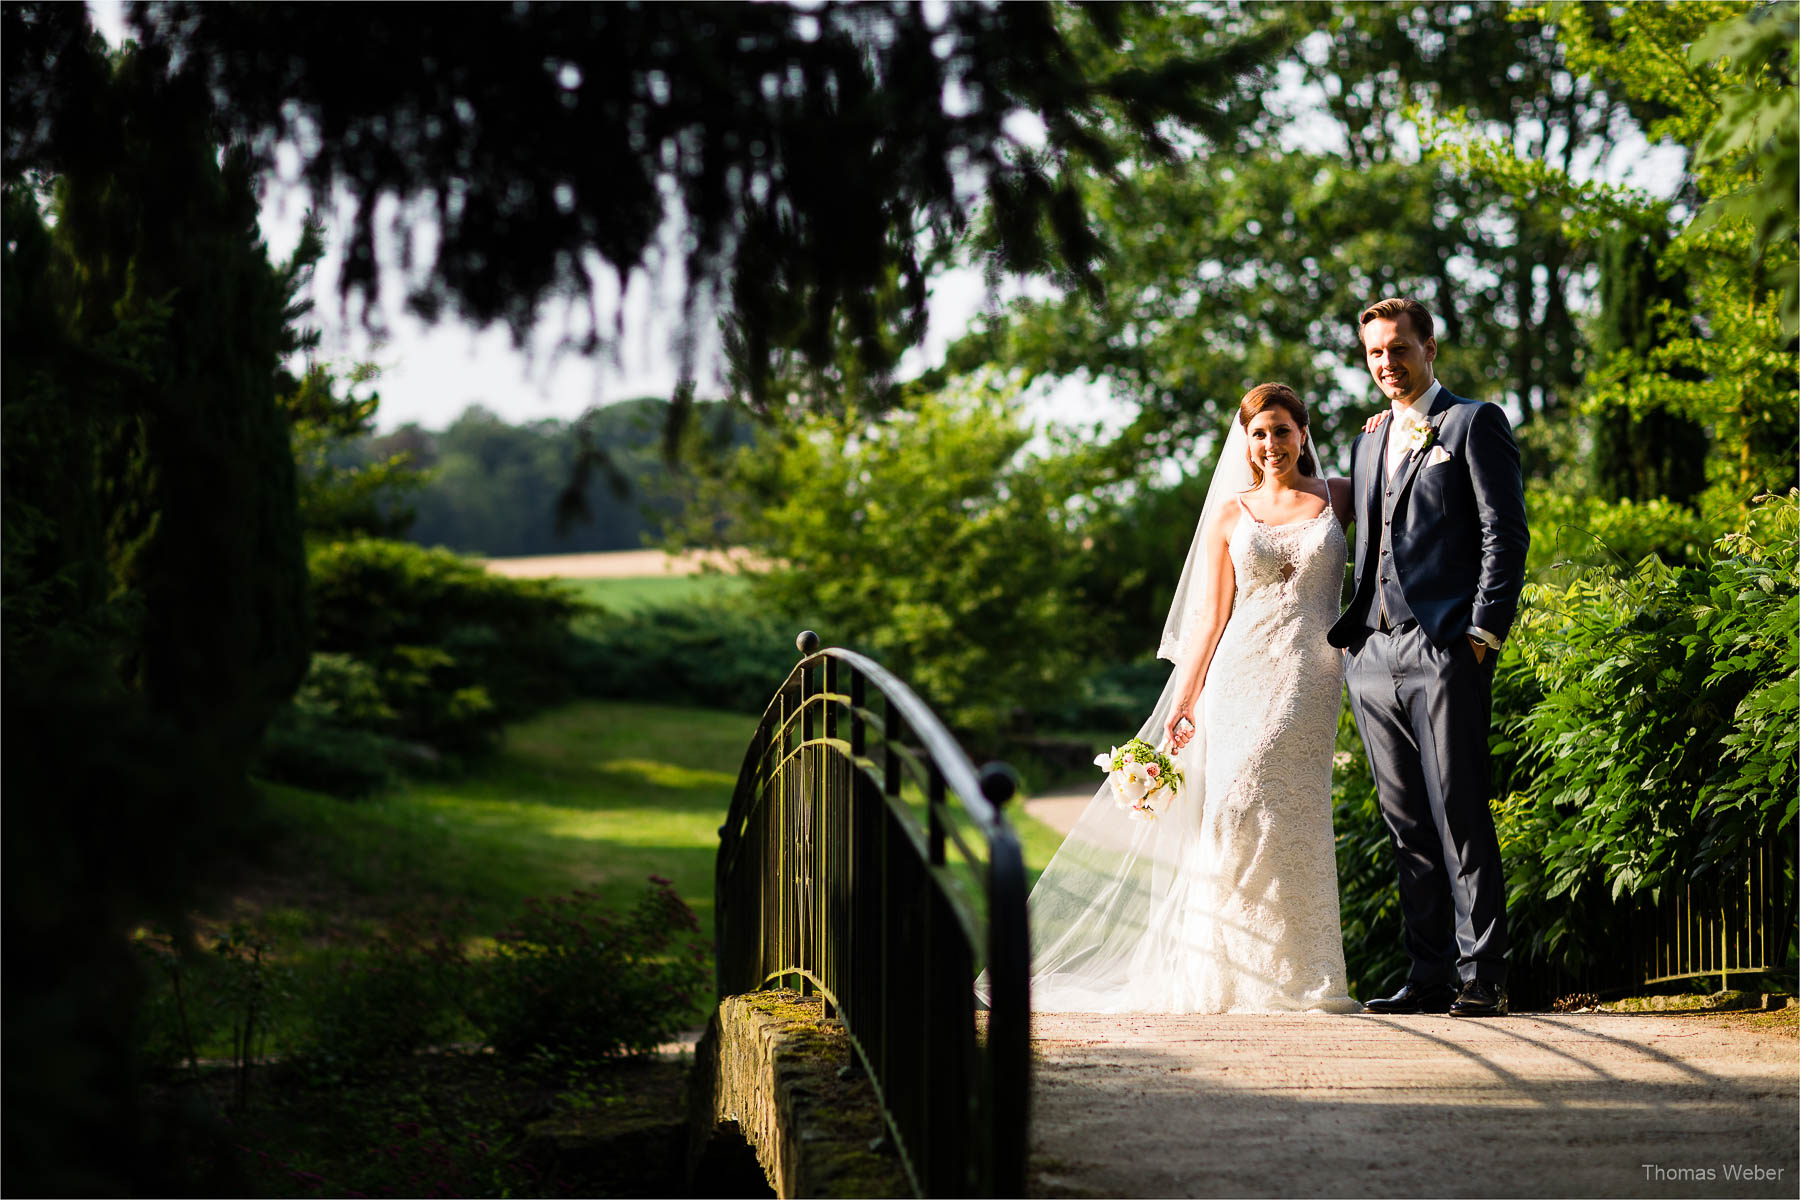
(1480, 647)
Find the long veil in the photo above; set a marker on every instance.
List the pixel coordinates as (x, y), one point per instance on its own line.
(1109, 914)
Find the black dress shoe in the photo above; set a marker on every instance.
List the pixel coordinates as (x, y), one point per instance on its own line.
(1479, 998)
(1416, 998)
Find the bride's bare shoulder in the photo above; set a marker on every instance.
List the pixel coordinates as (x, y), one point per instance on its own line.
(1225, 517)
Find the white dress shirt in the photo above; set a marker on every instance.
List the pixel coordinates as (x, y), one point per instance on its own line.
(1406, 413)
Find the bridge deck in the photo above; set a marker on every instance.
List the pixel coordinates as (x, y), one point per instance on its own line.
(1315, 1105)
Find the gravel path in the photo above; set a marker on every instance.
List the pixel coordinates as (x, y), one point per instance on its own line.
(1317, 1105)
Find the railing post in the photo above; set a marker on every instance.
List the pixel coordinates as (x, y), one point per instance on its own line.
(934, 808)
(1008, 1080)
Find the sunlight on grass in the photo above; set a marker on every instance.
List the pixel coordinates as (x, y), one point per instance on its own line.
(596, 796)
(666, 775)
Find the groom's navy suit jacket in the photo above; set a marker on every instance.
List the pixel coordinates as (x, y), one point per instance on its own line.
(1459, 535)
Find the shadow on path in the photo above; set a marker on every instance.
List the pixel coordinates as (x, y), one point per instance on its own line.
(1317, 1105)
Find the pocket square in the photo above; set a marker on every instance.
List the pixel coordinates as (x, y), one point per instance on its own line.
(1438, 455)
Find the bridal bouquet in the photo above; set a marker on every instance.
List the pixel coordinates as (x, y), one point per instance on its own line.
(1143, 778)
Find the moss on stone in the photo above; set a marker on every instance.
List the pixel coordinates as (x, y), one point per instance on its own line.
(831, 1117)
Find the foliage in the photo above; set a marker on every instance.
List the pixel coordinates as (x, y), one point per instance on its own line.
(1662, 742)
(928, 538)
(571, 979)
(341, 500)
(1249, 260)
(1568, 528)
(394, 997)
(718, 655)
(454, 649)
(154, 579)
(830, 151)
(325, 751)
(1759, 119)
(1718, 357)
(422, 657)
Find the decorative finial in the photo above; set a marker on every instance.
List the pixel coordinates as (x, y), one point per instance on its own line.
(808, 642)
(999, 783)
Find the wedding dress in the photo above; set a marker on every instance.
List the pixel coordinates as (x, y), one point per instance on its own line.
(1228, 901)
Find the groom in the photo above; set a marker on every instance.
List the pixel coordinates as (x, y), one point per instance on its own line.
(1440, 560)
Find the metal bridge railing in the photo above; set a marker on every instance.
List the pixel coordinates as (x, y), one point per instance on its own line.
(1742, 922)
(866, 860)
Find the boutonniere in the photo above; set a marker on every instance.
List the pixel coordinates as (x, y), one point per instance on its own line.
(1417, 437)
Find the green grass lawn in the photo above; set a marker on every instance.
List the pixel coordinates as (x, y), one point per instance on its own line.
(653, 591)
(597, 796)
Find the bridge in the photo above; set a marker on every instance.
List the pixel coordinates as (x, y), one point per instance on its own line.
(867, 871)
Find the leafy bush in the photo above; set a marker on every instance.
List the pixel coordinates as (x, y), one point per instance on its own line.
(323, 756)
(716, 655)
(395, 997)
(421, 655)
(572, 979)
(1665, 737)
(1582, 531)
(372, 598)
(930, 538)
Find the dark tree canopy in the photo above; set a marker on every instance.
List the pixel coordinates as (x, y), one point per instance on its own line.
(816, 158)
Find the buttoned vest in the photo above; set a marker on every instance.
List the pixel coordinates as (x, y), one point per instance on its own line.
(1388, 596)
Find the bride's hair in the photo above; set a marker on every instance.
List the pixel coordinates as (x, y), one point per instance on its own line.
(1263, 397)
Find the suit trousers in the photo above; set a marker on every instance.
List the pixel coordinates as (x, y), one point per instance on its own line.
(1423, 712)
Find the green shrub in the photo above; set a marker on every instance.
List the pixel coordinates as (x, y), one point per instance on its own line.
(509, 637)
(1585, 531)
(397, 996)
(305, 751)
(571, 979)
(721, 655)
(422, 658)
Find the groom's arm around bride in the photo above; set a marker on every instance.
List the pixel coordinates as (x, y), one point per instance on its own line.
(1440, 560)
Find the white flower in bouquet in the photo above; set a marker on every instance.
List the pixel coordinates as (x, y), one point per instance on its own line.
(1143, 778)
(1131, 784)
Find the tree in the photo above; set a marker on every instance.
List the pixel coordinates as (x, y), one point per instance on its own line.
(927, 537)
(814, 155)
(153, 573)
(1653, 452)
(1724, 358)
(1250, 259)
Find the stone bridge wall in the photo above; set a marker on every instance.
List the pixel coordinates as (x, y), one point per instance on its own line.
(772, 1070)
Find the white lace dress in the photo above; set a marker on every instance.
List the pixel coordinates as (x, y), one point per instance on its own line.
(1228, 902)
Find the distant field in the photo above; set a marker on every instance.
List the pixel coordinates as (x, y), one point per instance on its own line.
(625, 580)
(613, 564)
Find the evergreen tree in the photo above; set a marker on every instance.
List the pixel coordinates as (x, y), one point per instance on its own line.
(1640, 455)
(154, 581)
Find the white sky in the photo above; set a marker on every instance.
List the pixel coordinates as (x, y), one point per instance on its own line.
(430, 374)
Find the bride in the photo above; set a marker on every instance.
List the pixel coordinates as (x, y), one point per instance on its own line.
(1228, 901)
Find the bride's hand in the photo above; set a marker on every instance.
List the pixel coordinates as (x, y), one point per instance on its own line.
(1375, 422)
(1179, 729)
